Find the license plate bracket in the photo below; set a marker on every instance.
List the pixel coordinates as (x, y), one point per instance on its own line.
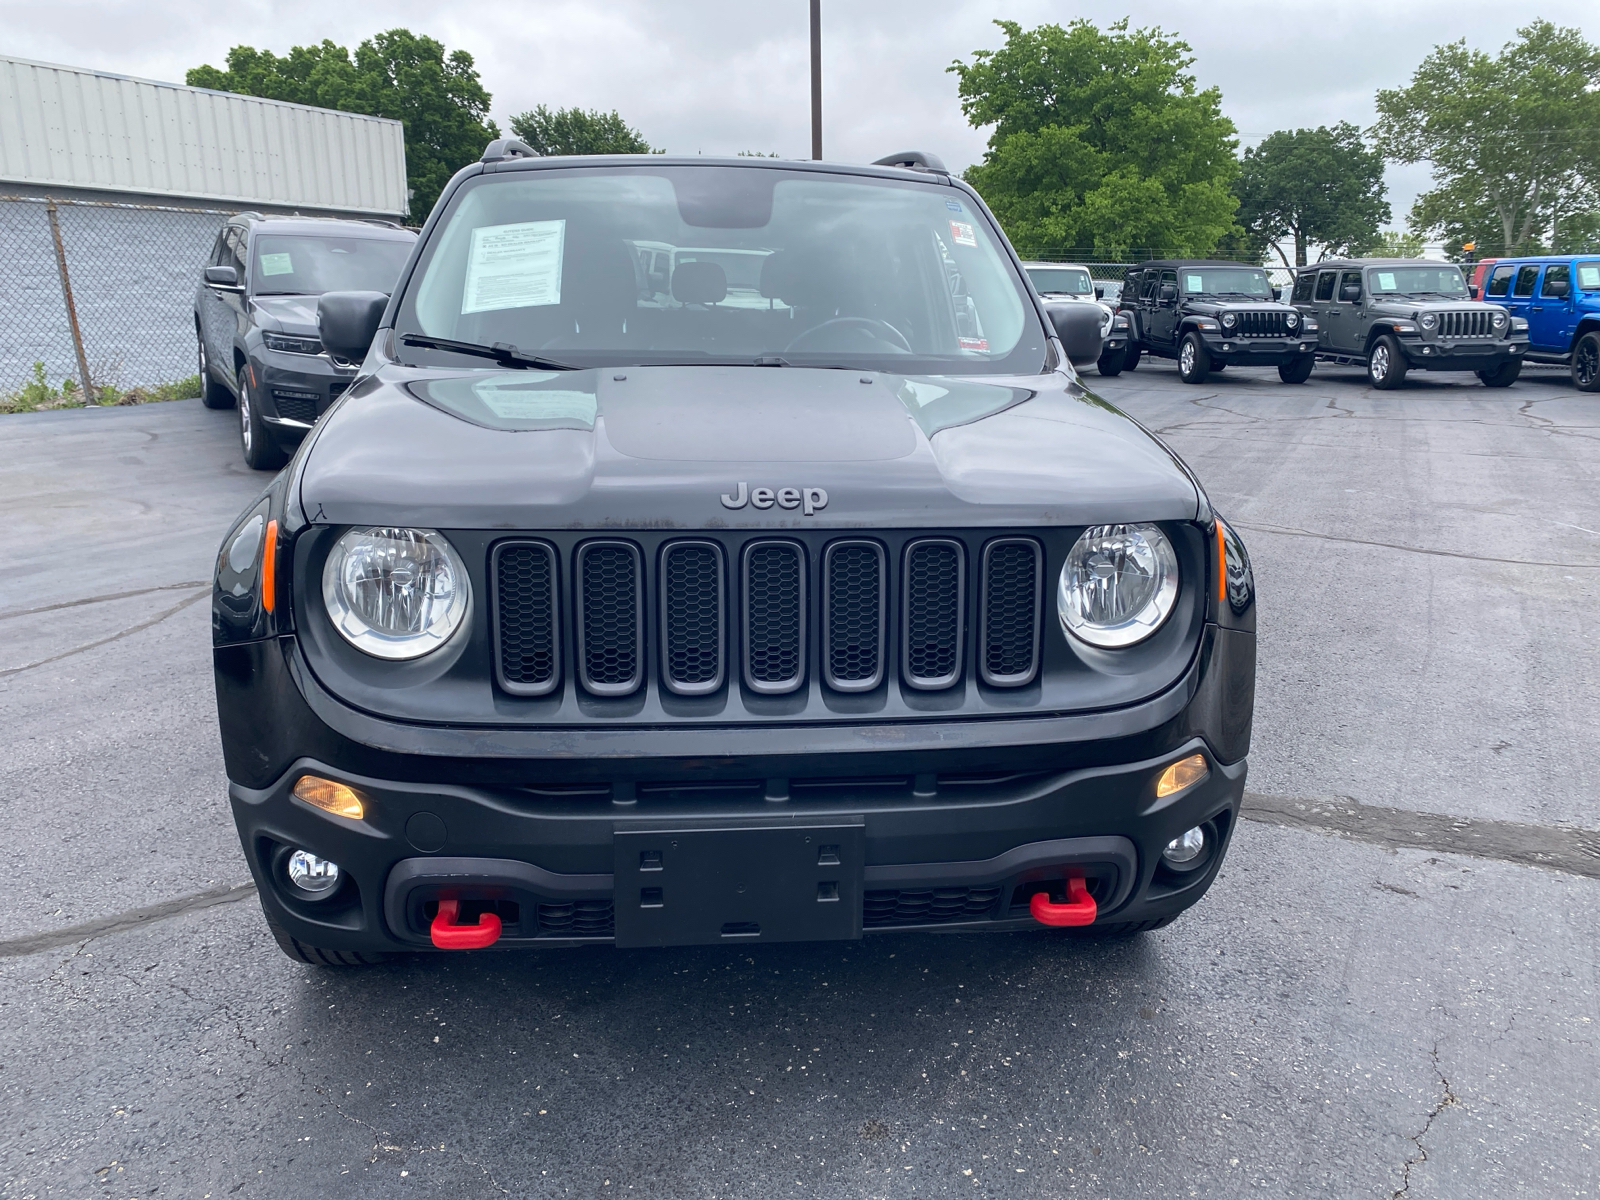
(738, 883)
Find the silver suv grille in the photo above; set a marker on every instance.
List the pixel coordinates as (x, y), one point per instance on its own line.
(1467, 324)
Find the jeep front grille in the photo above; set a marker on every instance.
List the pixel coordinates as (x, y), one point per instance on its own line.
(788, 609)
(1261, 324)
(1468, 323)
(928, 906)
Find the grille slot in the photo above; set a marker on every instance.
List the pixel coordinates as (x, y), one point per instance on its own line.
(1009, 625)
(774, 617)
(934, 591)
(930, 906)
(296, 406)
(1469, 323)
(577, 918)
(692, 604)
(527, 650)
(853, 615)
(1263, 324)
(610, 601)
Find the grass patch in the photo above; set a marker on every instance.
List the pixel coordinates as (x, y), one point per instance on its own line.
(38, 394)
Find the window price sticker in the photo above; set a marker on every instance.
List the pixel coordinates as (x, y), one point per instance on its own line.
(514, 266)
(963, 233)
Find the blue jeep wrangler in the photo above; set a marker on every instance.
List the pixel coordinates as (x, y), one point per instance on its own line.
(1559, 296)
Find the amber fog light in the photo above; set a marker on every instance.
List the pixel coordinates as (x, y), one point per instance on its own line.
(331, 797)
(1186, 772)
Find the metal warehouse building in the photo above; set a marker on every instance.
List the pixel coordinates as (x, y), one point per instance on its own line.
(112, 190)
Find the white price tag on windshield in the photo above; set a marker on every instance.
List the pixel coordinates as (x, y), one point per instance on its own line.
(276, 264)
(1386, 280)
(514, 266)
(1192, 283)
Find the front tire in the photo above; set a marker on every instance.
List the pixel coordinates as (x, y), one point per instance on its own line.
(1194, 364)
(1502, 376)
(316, 956)
(1297, 369)
(1112, 362)
(1586, 363)
(1131, 356)
(213, 394)
(260, 448)
(1386, 365)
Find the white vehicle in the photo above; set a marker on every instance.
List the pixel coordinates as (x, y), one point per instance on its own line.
(1070, 283)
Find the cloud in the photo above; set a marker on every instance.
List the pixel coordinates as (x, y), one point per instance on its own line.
(719, 76)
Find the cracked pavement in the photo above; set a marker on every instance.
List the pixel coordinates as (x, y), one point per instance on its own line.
(1355, 1010)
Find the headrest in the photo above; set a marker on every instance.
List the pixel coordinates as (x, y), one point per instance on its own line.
(699, 283)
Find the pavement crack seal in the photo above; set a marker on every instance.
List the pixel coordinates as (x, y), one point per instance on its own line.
(1448, 1100)
(163, 587)
(132, 629)
(1283, 531)
(119, 922)
(1575, 851)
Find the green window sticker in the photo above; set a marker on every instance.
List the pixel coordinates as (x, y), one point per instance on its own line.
(276, 264)
(1589, 276)
(1386, 281)
(1193, 283)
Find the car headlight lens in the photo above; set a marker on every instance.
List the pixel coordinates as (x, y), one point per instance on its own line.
(289, 343)
(395, 593)
(1229, 320)
(1429, 320)
(1499, 320)
(1291, 319)
(1119, 584)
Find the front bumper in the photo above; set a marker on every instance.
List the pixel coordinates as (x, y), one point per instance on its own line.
(1256, 352)
(295, 389)
(1473, 355)
(953, 824)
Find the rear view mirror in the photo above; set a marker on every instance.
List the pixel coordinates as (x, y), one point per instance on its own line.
(222, 277)
(1350, 292)
(1169, 292)
(1099, 293)
(348, 321)
(1078, 327)
(1556, 288)
(1277, 293)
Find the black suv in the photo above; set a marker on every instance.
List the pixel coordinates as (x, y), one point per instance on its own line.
(255, 317)
(1209, 315)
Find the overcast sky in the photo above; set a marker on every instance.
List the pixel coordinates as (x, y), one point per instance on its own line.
(718, 76)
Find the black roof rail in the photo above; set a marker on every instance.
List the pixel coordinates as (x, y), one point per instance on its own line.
(503, 149)
(914, 160)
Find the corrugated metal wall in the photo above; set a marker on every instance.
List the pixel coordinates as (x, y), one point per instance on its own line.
(67, 127)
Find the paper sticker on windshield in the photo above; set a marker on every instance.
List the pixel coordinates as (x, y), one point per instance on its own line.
(963, 233)
(514, 266)
(518, 401)
(953, 205)
(1386, 281)
(967, 343)
(1589, 278)
(276, 264)
(1193, 283)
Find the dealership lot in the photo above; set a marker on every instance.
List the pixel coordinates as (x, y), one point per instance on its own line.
(1362, 1012)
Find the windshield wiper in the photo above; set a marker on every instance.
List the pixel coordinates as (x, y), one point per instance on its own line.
(502, 352)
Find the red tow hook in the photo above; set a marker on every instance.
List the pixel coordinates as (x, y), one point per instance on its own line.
(1078, 910)
(447, 935)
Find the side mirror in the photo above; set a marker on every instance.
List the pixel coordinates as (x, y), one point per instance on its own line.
(1078, 327)
(222, 277)
(1169, 292)
(1277, 293)
(348, 321)
(1350, 293)
(1099, 293)
(1556, 288)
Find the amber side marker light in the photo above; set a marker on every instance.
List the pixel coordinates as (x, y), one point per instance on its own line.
(1186, 772)
(269, 566)
(329, 796)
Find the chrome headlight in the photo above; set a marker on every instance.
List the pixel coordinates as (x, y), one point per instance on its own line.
(1291, 319)
(1429, 320)
(395, 593)
(1118, 586)
(1499, 320)
(1229, 320)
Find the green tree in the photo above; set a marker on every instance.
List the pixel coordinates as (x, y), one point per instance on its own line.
(1313, 185)
(574, 131)
(1393, 244)
(1514, 140)
(398, 74)
(1101, 143)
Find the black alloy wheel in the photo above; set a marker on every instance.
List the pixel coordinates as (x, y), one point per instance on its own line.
(213, 392)
(1386, 366)
(1194, 363)
(1297, 369)
(1586, 363)
(260, 448)
(1502, 376)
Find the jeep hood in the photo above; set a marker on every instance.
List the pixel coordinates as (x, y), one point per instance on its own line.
(657, 447)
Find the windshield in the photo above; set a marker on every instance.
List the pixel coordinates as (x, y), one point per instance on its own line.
(689, 264)
(308, 265)
(1074, 281)
(1444, 280)
(1226, 281)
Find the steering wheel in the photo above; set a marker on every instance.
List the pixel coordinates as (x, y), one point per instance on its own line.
(867, 326)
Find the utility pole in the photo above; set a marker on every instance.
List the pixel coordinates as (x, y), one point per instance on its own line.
(816, 79)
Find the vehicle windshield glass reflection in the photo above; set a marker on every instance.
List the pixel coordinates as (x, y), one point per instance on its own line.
(1226, 281)
(301, 265)
(700, 265)
(1074, 281)
(1443, 280)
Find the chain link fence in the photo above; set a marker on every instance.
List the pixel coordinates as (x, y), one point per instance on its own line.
(100, 287)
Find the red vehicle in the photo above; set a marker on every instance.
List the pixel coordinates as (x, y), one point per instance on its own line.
(1480, 272)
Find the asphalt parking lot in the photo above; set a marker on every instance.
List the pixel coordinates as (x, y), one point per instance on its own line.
(1391, 991)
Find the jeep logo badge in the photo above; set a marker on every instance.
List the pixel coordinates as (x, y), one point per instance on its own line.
(809, 500)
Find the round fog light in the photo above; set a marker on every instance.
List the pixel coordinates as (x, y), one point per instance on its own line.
(306, 871)
(1184, 849)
